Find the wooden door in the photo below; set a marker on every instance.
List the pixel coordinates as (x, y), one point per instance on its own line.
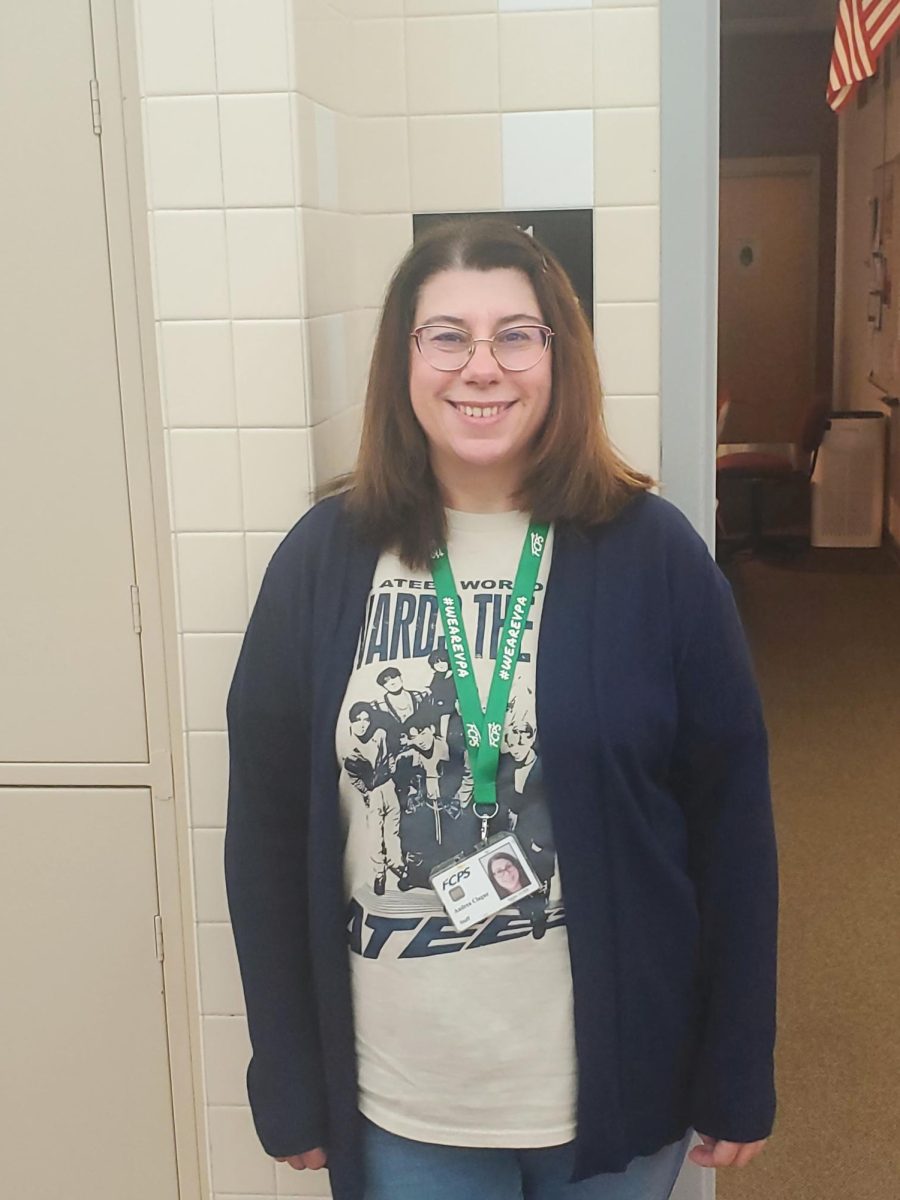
(767, 297)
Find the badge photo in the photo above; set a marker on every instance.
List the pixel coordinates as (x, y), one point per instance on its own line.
(478, 885)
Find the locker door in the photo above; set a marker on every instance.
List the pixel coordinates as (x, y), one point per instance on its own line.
(85, 1106)
(71, 686)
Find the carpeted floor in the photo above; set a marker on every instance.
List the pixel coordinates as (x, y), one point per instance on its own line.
(825, 631)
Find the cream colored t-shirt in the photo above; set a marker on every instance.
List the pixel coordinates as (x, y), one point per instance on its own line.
(462, 1039)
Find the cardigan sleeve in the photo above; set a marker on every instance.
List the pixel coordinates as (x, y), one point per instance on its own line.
(265, 856)
(721, 778)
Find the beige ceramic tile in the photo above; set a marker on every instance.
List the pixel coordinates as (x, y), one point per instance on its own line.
(626, 164)
(275, 471)
(452, 65)
(329, 269)
(379, 68)
(381, 242)
(626, 254)
(380, 165)
(260, 548)
(448, 8)
(335, 444)
(239, 1163)
(257, 151)
(545, 61)
(269, 373)
(263, 262)
(177, 47)
(361, 329)
(626, 57)
(251, 46)
(212, 583)
(627, 337)
(196, 374)
(191, 265)
(206, 480)
(455, 163)
(207, 778)
(226, 1053)
(208, 661)
(209, 875)
(328, 353)
(183, 152)
(220, 979)
(632, 423)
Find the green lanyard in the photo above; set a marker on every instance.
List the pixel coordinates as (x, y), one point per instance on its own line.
(483, 727)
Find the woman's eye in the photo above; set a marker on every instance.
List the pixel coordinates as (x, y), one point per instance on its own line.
(449, 337)
(510, 337)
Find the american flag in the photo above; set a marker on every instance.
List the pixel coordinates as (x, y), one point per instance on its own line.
(864, 28)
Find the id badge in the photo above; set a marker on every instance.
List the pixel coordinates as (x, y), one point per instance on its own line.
(477, 885)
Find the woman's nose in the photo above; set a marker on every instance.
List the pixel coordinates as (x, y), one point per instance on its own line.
(482, 363)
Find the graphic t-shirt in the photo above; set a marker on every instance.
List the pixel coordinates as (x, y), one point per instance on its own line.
(462, 1038)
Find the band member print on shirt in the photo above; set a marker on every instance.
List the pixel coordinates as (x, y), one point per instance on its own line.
(403, 752)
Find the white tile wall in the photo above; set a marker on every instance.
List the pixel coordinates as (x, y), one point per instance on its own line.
(263, 262)
(212, 582)
(238, 1161)
(220, 980)
(257, 151)
(196, 373)
(176, 65)
(226, 1053)
(207, 756)
(561, 143)
(208, 661)
(185, 170)
(252, 46)
(206, 480)
(275, 468)
(191, 267)
(209, 878)
(270, 373)
(287, 144)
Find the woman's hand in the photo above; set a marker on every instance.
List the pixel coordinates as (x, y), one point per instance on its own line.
(715, 1153)
(312, 1159)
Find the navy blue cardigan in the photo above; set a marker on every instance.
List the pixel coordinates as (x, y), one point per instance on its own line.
(655, 766)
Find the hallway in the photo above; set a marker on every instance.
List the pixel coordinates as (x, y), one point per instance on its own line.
(826, 640)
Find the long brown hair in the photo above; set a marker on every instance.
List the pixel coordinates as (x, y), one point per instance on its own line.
(574, 475)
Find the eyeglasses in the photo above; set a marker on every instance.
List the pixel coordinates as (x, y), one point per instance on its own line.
(517, 348)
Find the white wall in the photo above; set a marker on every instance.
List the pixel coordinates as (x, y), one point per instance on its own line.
(287, 144)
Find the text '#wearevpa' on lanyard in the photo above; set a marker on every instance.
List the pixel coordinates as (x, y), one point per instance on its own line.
(465, 885)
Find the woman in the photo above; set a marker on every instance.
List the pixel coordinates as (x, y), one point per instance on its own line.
(506, 874)
(489, 515)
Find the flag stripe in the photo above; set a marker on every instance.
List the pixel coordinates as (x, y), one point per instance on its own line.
(862, 30)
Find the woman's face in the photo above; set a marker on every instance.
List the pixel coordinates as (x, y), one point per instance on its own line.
(506, 875)
(480, 302)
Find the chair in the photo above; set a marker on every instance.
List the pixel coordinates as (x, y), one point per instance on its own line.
(756, 466)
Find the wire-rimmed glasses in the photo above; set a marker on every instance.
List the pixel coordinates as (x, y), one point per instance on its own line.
(516, 348)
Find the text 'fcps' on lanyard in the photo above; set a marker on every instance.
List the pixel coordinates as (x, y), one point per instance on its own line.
(484, 727)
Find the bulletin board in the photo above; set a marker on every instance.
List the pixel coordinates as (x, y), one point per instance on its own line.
(884, 298)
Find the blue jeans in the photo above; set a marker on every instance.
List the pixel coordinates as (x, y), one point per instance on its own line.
(400, 1169)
